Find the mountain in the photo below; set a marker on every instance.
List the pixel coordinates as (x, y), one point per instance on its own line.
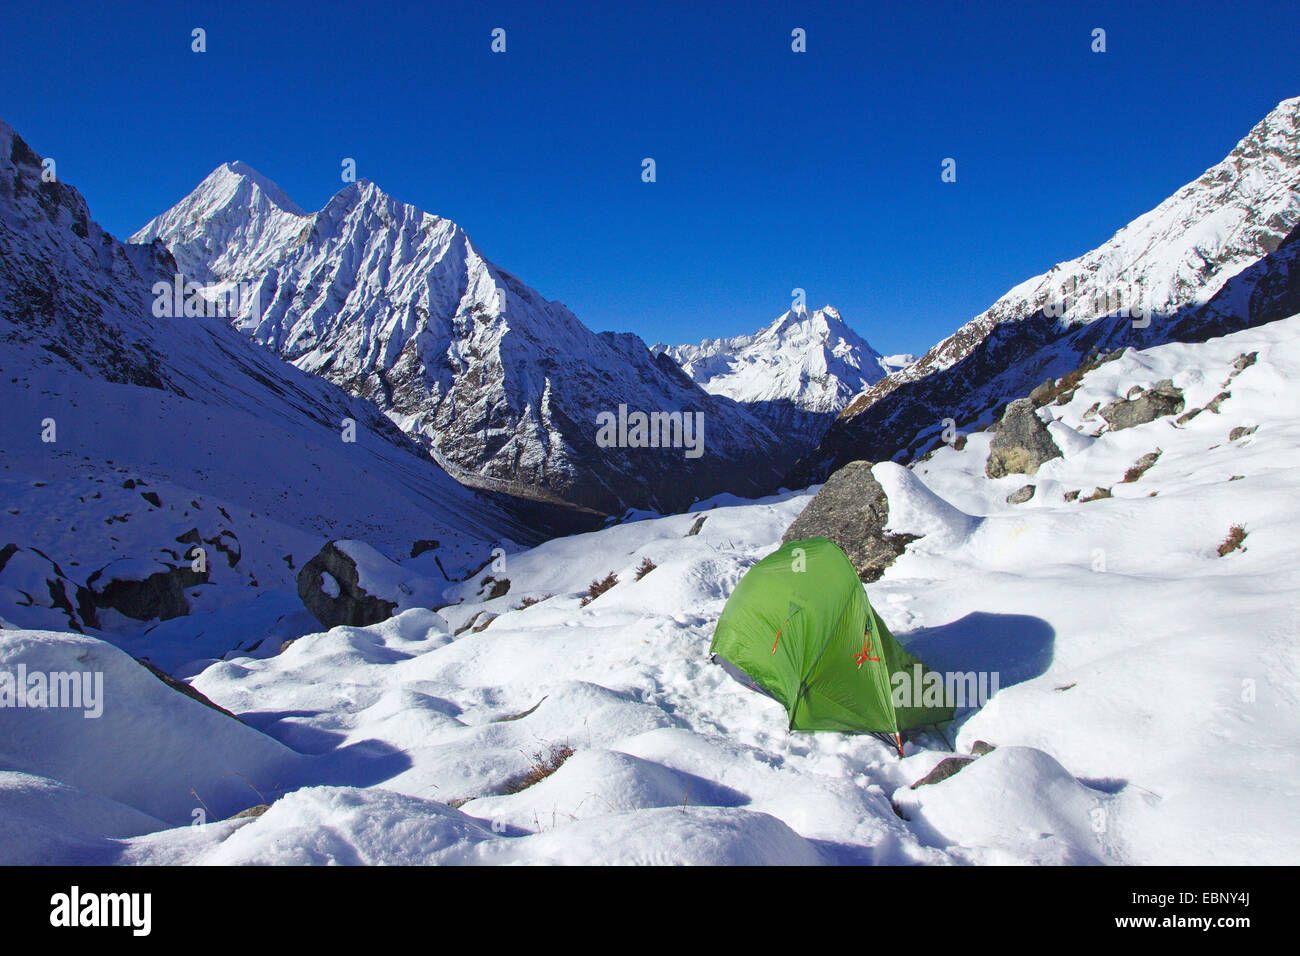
(501, 386)
(1227, 238)
(795, 374)
(128, 436)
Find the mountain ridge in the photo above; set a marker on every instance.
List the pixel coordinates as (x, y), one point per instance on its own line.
(1139, 287)
(399, 306)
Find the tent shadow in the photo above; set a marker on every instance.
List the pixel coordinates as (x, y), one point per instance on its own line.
(1016, 647)
(302, 738)
(363, 763)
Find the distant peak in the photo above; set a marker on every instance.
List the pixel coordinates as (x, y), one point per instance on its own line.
(230, 176)
(800, 315)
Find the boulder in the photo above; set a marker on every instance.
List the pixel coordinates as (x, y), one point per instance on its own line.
(1241, 431)
(1022, 443)
(35, 593)
(852, 510)
(943, 770)
(1213, 404)
(144, 589)
(422, 545)
(1043, 393)
(1020, 495)
(1141, 466)
(1144, 405)
(350, 583)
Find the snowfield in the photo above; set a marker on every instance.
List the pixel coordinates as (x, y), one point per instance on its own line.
(1146, 711)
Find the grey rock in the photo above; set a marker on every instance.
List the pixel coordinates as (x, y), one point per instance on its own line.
(160, 595)
(1161, 399)
(1241, 431)
(695, 528)
(353, 606)
(1141, 466)
(424, 544)
(1043, 393)
(1213, 404)
(256, 811)
(945, 769)
(852, 510)
(1022, 443)
(981, 747)
(1020, 495)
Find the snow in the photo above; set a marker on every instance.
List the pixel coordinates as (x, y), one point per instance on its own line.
(151, 748)
(1143, 712)
(915, 509)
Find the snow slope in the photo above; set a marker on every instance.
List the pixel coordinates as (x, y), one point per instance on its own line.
(1145, 709)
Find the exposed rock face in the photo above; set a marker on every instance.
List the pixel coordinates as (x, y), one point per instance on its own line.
(1160, 400)
(1241, 431)
(349, 583)
(852, 510)
(36, 593)
(1141, 466)
(144, 590)
(1213, 404)
(1022, 443)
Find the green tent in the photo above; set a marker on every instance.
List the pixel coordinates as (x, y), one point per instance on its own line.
(799, 627)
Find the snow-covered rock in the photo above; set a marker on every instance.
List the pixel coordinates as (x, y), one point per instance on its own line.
(350, 583)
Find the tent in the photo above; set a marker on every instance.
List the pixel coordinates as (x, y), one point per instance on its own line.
(799, 627)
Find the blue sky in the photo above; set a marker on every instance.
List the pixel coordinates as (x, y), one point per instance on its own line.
(774, 169)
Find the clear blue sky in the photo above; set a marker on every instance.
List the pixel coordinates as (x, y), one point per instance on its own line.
(775, 169)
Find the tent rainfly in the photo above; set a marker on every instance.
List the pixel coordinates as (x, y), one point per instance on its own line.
(799, 627)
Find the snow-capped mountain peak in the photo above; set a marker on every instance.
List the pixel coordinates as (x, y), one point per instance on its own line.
(805, 364)
(235, 207)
